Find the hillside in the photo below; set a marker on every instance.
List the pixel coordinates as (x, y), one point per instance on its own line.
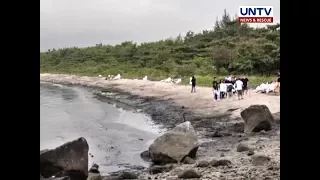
(229, 47)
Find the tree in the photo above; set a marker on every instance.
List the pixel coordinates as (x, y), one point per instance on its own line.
(217, 25)
(224, 23)
(229, 46)
(222, 57)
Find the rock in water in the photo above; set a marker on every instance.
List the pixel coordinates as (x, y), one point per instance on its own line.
(69, 159)
(257, 118)
(175, 145)
(145, 155)
(94, 169)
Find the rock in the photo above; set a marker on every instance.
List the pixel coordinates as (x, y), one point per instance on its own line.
(250, 153)
(223, 149)
(128, 175)
(217, 134)
(257, 118)
(212, 162)
(175, 145)
(238, 127)
(222, 162)
(188, 174)
(69, 159)
(243, 147)
(160, 169)
(188, 160)
(145, 155)
(94, 168)
(94, 176)
(203, 164)
(260, 160)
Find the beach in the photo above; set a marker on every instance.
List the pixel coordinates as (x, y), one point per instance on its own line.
(165, 103)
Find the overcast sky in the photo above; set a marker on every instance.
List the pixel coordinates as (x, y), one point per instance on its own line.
(65, 23)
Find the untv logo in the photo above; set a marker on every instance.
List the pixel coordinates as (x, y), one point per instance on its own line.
(255, 14)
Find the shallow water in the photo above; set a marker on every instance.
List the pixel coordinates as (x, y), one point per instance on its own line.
(116, 136)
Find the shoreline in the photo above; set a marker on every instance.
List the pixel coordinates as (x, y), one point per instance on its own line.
(164, 101)
(199, 102)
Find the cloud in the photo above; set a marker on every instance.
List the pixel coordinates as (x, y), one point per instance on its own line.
(65, 23)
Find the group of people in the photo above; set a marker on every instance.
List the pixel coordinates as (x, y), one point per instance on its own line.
(226, 88)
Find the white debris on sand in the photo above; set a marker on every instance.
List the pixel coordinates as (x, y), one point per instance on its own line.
(169, 80)
(177, 81)
(117, 77)
(145, 78)
(266, 87)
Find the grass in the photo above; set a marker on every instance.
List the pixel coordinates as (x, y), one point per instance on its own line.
(156, 75)
(206, 81)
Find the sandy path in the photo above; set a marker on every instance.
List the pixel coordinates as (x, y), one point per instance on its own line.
(201, 101)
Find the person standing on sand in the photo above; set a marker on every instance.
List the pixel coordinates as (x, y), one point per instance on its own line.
(223, 89)
(239, 88)
(215, 89)
(229, 90)
(278, 82)
(245, 81)
(193, 84)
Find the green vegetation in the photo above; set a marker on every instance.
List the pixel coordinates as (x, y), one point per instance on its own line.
(229, 47)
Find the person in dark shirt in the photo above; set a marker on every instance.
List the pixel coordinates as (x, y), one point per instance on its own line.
(215, 84)
(245, 81)
(278, 82)
(215, 91)
(193, 84)
(230, 88)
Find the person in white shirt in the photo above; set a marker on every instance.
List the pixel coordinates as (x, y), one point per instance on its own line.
(239, 88)
(223, 89)
(229, 77)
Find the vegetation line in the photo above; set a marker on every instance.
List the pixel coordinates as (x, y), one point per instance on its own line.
(229, 47)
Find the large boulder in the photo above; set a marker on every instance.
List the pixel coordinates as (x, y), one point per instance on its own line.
(175, 145)
(69, 159)
(257, 118)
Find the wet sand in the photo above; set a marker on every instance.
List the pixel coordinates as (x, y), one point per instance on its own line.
(163, 101)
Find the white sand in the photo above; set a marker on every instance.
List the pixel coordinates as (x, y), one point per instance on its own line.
(201, 101)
